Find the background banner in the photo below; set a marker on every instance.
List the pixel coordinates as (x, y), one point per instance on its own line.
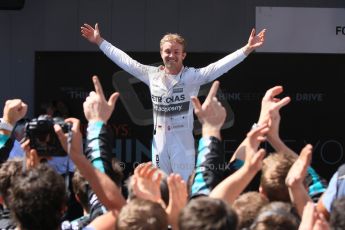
(302, 30)
(315, 84)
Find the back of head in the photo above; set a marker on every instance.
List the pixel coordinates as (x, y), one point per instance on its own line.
(207, 213)
(170, 37)
(337, 217)
(276, 216)
(140, 214)
(8, 172)
(80, 188)
(274, 171)
(247, 206)
(40, 198)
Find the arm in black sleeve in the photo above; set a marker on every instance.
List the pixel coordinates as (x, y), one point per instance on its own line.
(210, 165)
(6, 145)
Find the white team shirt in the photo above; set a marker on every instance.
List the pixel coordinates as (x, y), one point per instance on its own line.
(170, 94)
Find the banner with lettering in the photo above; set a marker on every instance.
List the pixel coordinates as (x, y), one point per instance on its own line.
(302, 29)
(315, 83)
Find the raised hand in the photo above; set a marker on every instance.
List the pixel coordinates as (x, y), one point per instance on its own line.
(177, 198)
(211, 113)
(253, 159)
(270, 103)
(93, 35)
(96, 107)
(270, 108)
(295, 179)
(254, 41)
(146, 184)
(77, 141)
(106, 190)
(32, 159)
(298, 170)
(14, 110)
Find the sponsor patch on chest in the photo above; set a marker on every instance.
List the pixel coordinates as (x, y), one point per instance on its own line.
(177, 90)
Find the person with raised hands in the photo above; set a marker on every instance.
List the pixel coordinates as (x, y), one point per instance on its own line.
(97, 111)
(271, 105)
(231, 187)
(146, 185)
(269, 114)
(105, 189)
(171, 86)
(210, 162)
(99, 138)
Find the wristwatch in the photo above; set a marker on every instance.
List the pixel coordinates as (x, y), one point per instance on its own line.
(5, 126)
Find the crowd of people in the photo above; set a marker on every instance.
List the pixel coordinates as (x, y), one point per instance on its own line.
(214, 193)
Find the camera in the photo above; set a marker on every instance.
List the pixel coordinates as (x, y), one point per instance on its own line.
(42, 135)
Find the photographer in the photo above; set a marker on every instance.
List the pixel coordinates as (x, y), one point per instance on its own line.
(43, 145)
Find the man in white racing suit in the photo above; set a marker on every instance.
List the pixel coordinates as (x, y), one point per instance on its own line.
(171, 87)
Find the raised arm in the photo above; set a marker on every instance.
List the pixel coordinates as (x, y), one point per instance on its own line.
(119, 57)
(231, 187)
(209, 169)
(269, 114)
(97, 111)
(14, 110)
(146, 183)
(211, 113)
(177, 198)
(295, 179)
(105, 189)
(99, 139)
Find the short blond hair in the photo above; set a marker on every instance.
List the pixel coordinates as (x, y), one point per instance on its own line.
(169, 37)
(275, 168)
(142, 214)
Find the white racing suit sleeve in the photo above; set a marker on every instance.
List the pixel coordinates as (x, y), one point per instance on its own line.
(218, 68)
(127, 63)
